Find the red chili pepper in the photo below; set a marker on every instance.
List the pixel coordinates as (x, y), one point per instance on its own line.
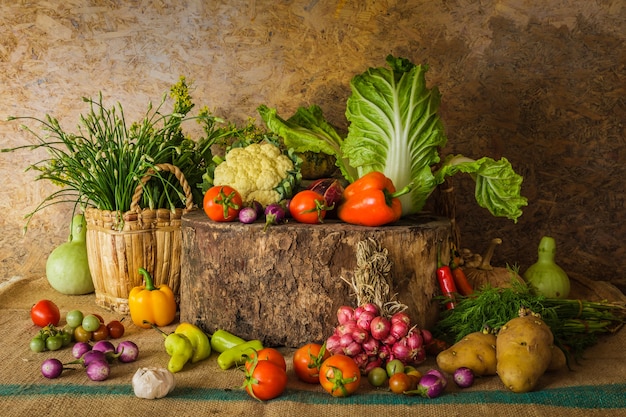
(446, 280)
(371, 200)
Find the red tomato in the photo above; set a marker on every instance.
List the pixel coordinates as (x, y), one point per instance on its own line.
(265, 380)
(222, 203)
(267, 354)
(116, 329)
(307, 361)
(400, 382)
(340, 376)
(45, 312)
(308, 207)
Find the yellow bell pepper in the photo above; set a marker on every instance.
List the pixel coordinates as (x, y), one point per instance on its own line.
(150, 304)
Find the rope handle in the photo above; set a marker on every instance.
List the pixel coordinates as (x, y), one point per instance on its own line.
(134, 204)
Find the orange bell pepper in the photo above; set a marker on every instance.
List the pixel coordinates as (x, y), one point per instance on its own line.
(371, 200)
(150, 304)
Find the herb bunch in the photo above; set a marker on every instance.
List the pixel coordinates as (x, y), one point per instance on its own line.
(575, 324)
(102, 164)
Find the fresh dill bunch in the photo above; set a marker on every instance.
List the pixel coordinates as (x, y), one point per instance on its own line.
(575, 324)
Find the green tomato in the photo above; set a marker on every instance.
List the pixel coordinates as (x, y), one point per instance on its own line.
(394, 367)
(74, 318)
(67, 335)
(54, 342)
(377, 377)
(37, 344)
(91, 323)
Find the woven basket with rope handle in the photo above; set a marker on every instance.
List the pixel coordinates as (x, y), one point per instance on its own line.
(118, 244)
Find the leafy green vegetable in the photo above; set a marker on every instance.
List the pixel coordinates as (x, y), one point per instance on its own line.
(576, 324)
(394, 128)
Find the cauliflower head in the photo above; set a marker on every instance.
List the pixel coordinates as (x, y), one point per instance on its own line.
(256, 171)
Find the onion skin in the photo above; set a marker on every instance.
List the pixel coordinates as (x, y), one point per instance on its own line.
(380, 327)
(345, 314)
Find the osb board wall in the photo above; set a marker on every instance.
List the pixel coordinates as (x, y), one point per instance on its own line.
(541, 83)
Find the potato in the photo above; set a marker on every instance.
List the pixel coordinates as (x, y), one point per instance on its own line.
(558, 361)
(523, 351)
(476, 351)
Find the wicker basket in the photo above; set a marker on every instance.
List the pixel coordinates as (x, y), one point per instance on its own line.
(118, 244)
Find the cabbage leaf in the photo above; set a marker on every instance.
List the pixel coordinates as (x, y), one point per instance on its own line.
(394, 128)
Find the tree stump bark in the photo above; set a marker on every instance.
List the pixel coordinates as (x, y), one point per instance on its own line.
(283, 285)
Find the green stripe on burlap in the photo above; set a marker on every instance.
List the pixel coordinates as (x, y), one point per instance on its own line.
(582, 397)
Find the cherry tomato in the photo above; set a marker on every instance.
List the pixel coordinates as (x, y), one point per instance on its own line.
(101, 333)
(45, 312)
(222, 203)
(99, 317)
(74, 318)
(267, 354)
(308, 207)
(414, 381)
(307, 361)
(54, 342)
(265, 380)
(81, 335)
(394, 366)
(37, 344)
(91, 322)
(399, 382)
(377, 376)
(116, 329)
(340, 376)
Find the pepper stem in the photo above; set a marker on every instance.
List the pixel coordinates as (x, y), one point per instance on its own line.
(148, 278)
(155, 327)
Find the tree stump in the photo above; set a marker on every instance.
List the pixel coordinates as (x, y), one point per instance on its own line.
(284, 285)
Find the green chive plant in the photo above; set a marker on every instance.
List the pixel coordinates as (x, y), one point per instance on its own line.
(102, 164)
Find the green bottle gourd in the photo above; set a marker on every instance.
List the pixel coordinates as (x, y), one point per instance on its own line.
(545, 276)
(67, 268)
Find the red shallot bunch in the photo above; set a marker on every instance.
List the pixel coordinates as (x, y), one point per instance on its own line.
(373, 339)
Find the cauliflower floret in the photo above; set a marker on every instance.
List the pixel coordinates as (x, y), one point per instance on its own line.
(254, 171)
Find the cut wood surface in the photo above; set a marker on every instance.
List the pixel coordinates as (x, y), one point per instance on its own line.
(284, 285)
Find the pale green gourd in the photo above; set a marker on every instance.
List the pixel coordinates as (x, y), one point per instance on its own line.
(545, 276)
(67, 268)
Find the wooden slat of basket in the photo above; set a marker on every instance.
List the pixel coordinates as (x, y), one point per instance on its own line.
(145, 238)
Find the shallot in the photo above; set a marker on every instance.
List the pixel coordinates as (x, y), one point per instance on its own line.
(345, 314)
(380, 327)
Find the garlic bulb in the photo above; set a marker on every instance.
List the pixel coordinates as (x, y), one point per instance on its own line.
(152, 383)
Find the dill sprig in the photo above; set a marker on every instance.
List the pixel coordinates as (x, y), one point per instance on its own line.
(575, 324)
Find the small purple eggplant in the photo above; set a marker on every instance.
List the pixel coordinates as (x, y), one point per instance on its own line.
(274, 214)
(463, 377)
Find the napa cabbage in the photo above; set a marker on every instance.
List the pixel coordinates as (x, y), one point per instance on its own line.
(394, 127)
